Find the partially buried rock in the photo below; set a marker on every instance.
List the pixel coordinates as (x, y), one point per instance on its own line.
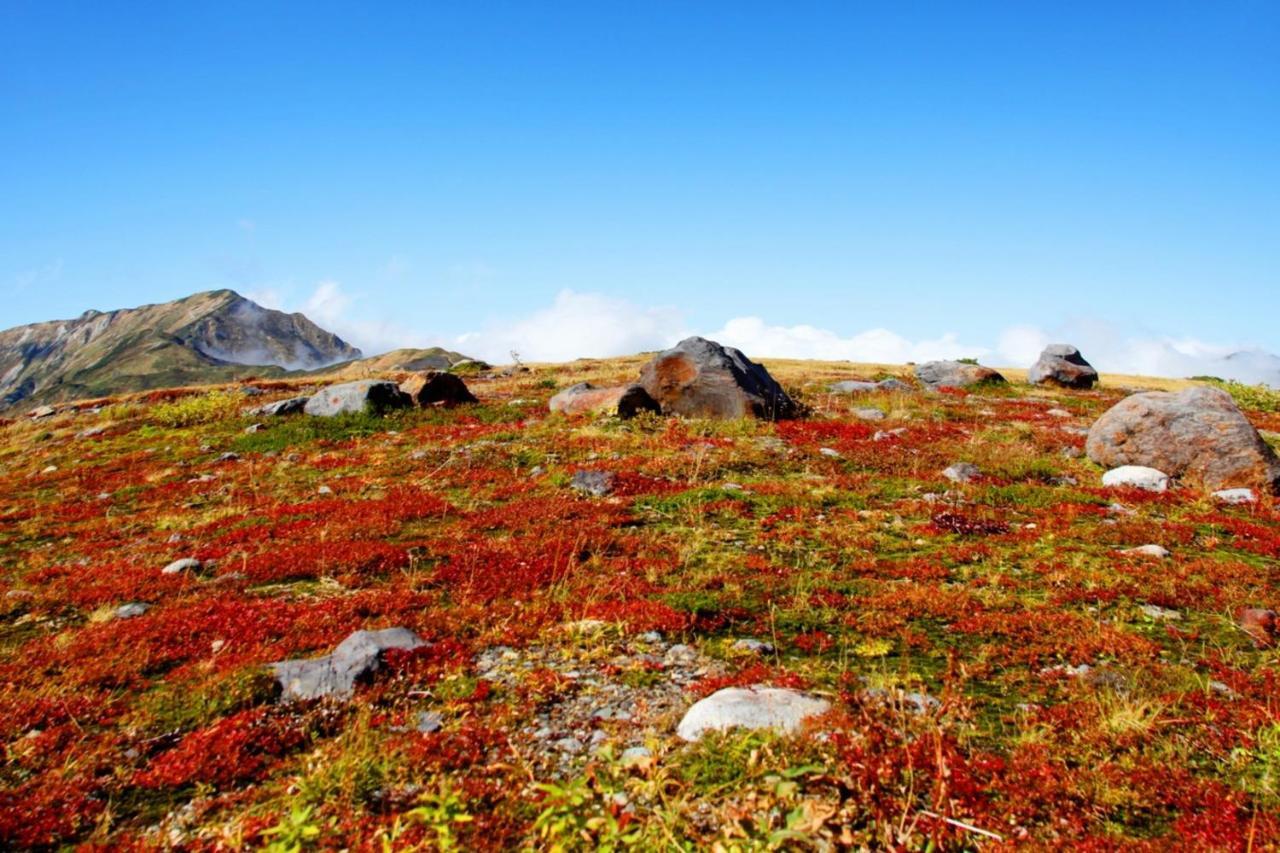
(368, 395)
(1062, 365)
(702, 379)
(962, 472)
(597, 483)
(858, 386)
(336, 674)
(1197, 435)
(280, 408)
(1137, 477)
(1158, 551)
(757, 707)
(186, 564)
(437, 388)
(625, 401)
(956, 374)
(1235, 497)
(43, 412)
(131, 610)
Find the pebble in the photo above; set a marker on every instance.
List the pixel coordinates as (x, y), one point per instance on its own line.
(1157, 551)
(962, 472)
(182, 565)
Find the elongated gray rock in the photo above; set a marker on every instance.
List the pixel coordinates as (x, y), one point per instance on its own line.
(279, 408)
(1198, 435)
(955, 374)
(354, 397)
(756, 707)
(1137, 477)
(336, 674)
(1063, 365)
(702, 379)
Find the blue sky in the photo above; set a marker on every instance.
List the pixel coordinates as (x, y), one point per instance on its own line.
(466, 171)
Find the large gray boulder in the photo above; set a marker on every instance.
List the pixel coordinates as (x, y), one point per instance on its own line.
(625, 401)
(955, 374)
(354, 397)
(1062, 365)
(1198, 436)
(702, 379)
(336, 674)
(756, 707)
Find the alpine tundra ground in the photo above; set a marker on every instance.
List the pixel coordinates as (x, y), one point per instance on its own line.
(999, 673)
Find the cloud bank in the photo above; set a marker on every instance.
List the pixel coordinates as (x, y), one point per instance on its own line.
(594, 325)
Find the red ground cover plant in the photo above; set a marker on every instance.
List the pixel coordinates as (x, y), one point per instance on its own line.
(1068, 695)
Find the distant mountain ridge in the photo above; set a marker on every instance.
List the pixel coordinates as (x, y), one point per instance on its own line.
(214, 336)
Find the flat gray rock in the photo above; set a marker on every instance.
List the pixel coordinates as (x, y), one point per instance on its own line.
(757, 707)
(955, 374)
(356, 397)
(1158, 551)
(186, 564)
(288, 406)
(132, 609)
(962, 472)
(336, 674)
(1235, 496)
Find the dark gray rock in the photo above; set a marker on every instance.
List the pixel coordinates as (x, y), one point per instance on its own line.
(1062, 365)
(335, 675)
(354, 397)
(702, 379)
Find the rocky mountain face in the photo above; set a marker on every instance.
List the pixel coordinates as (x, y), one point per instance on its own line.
(209, 337)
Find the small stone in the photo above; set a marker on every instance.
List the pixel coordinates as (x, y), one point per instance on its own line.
(635, 756)
(43, 412)
(428, 722)
(1160, 614)
(569, 746)
(183, 565)
(869, 414)
(49, 469)
(324, 490)
(886, 434)
(1058, 413)
(748, 645)
(962, 472)
(228, 457)
(1157, 551)
(252, 428)
(1137, 477)
(595, 483)
(829, 451)
(132, 609)
(1235, 497)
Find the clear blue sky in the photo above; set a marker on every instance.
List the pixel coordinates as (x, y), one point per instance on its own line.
(958, 166)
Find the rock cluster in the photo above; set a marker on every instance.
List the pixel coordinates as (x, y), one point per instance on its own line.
(1198, 436)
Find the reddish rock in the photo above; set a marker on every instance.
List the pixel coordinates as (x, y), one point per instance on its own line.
(702, 379)
(436, 388)
(1198, 436)
(1261, 625)
(625, 401)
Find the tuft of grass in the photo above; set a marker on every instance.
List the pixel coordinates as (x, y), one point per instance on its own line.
(203, 409)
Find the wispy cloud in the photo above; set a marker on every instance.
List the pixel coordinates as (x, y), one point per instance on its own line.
(46, 274)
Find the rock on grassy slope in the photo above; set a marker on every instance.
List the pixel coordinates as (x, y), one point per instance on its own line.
(992, 665)
(208, 337)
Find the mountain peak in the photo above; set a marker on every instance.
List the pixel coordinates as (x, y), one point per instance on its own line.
(209, 336)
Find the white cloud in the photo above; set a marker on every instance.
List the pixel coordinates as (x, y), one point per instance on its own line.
(594, 325)
(577, 325)
(760, 340)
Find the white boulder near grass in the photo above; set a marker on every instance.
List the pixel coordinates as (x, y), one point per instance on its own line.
(1137, 477)
(1158, 551)
(774, 708)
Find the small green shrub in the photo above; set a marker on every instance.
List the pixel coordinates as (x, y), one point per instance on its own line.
(1258, 398)
(202, 409)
